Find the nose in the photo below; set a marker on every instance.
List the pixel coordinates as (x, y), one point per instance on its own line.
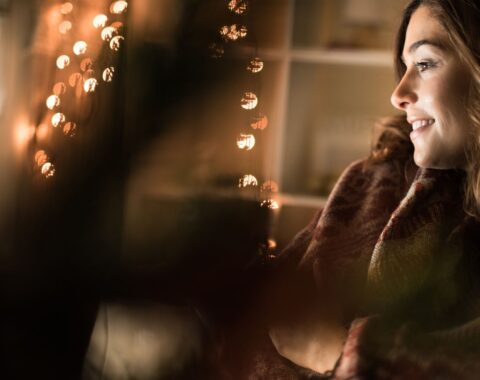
(404, 94)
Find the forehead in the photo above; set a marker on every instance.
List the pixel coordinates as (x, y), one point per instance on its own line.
(424, 26)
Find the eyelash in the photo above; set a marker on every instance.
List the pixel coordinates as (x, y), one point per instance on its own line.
(424, 65)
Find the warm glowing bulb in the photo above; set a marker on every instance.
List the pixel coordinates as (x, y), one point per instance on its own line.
(270, 204)
(233, 32)
(238, 7)
(63, 61)
(48, 170)
(255, 65)
(99, 21)
(74, 79)
(90, 85)
(108, 32)
(247, 180)
(70, 129)
(249, 101)
(64, 27)
(116, 42)
(41, 157)
(107, 74)
(58, 119)
(271, 244)
(245, 141)
(118, 7)
(259, 122)
(80, 47)
(117, 25)
(59, 88)
(86, 64)
(66, 8)
(52, 102)
(269, 186)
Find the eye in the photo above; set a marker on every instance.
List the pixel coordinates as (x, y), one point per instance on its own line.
(424, 65)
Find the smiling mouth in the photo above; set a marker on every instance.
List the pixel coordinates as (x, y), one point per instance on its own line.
(420, 126)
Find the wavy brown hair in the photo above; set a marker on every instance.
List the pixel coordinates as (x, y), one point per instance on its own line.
(461, 21)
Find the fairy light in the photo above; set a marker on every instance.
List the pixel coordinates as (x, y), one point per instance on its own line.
(239, 7)
(65, 27)
(63, 61)
(269, 186)
(41, 157)
(99, 21)
(86, 64)
(107, 33)
(90, 85)
(66, 8)
(270, 204)
(52, 102)
(48, 170)
(245, 141)
(259, 122)
(116, 42)
(118, 7)
(107, 74)
(233, 32)
(248, 180)
(58, 119)
(70, 129)
(59, 88)
(74, 79)
(249, 101)
(255, 65)
(80, 47)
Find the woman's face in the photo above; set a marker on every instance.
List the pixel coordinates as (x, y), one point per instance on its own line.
(433, 93)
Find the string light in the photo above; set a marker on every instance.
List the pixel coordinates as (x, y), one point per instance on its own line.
(238, 7)
(66, 8)
(52, 102)
(233, 32)
(259, 121)
(64, 27)
(70, 129)
(271, 204)
(41, 157)
(245, 141)
(74, 79)
(99, 21)
(90, 85)
(269, 186)
(58, 119)
(107, 74)
(116, 42)
(248, 180)
(255, 65)
(86, 64)
(48, 170)
(80, 47)
(118, 7)
(63, 61)
(108, 32)
(59, 88)
(249, 101)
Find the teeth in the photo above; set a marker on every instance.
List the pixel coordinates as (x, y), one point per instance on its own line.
(421, 123)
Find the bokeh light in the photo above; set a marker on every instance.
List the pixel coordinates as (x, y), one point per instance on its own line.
(118, 7)
(269, 186)
(99, 21)
(238, 7)
(58, 119)
(249, 101)
(86, 64)
(80, 47)
(64, 27)
(74, 79)
(70, 129)
(216, 50)
(259, 121)
(270, 204)
(116, 42)
(90, 85)
(245, 141)
(248, 180)
(66, 8)
(108, 32)
(48, 170)
(255, 65)
(63, 61)
(107, 74)
(52, 102)
(233, 32)
(59, 88)
(41, 157)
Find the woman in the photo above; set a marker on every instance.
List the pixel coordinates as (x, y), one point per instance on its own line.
(385, 280)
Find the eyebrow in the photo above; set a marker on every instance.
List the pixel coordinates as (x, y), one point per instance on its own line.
(419, 43)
